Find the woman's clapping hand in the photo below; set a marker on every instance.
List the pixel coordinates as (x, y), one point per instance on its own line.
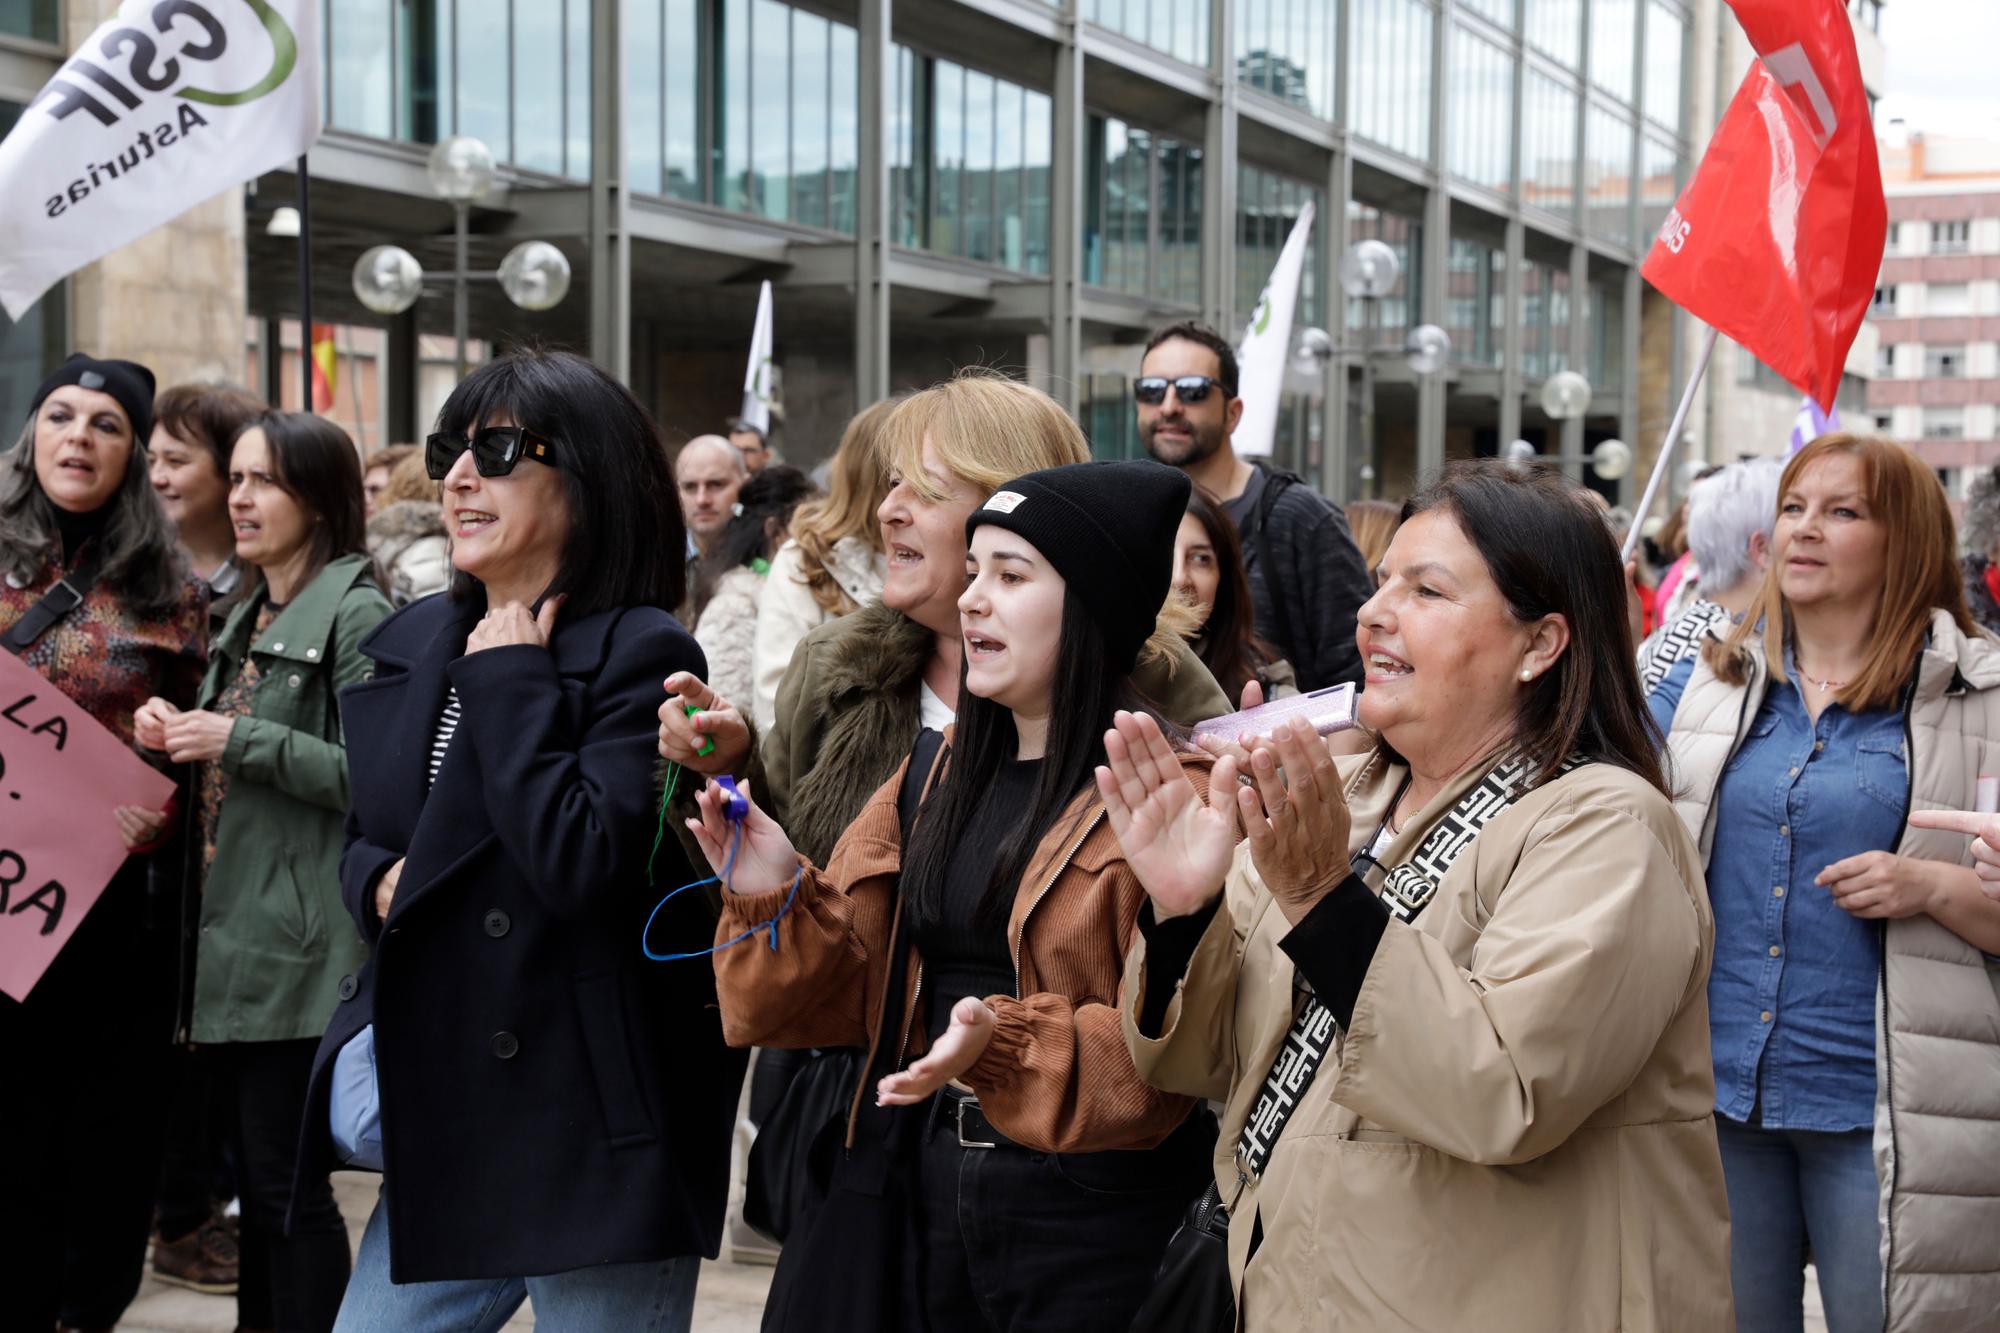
(764, 860)
(1297, 820)
(1177, 844)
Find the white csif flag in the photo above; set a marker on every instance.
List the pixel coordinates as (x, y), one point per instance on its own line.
(163, 107)
(757, 376)
(1266, 348)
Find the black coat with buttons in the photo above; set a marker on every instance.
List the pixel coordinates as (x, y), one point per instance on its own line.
(550, 1098)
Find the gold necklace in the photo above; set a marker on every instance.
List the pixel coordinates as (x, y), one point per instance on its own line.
(1825, 686)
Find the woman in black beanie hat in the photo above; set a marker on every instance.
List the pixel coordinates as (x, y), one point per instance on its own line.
(1036, 1176)
(85, 1051)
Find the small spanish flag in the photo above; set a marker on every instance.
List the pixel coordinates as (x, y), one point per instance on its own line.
(323, 359)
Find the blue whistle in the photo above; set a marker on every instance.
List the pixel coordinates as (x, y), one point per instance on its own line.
(737, 808)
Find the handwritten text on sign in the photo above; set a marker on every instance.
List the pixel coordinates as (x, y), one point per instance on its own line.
(61, 777)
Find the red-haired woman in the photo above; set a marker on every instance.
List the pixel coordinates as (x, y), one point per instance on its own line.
(1850, 1005)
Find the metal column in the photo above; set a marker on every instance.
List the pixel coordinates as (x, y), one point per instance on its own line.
(610, 208)
(1066, 209)
(1218, 174)
(872, 212)
(1436, 262)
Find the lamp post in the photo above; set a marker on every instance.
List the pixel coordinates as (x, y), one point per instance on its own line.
(1369, 271)
(1610, 460)
(461, 170)
(535, 275)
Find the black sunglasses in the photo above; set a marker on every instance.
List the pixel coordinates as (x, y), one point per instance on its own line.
(1152, 389)
(495, 450)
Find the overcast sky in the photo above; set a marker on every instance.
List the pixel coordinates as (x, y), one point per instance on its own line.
(1942, 76)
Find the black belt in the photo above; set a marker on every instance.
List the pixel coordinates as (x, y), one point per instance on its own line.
(961, 1111)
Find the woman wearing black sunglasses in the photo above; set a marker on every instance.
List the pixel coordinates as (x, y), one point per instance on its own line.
(550, 1112)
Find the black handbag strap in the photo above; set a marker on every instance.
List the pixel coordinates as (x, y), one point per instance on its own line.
(67, 594)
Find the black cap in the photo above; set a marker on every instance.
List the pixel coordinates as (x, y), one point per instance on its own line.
(1108, 528)
(127, 381)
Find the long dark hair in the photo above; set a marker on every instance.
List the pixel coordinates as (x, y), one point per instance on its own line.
(1083, 696)
(772, 494)
(315, 462)
(1547, 548)
(143, 560)
(627, 543)
(1229, 646)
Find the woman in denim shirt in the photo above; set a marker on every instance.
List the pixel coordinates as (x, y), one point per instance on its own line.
(1797, 778)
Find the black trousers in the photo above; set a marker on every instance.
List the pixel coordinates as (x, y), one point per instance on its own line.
(81, 1117)
(195, 1175)
(1025, 1242)
(292, 1283)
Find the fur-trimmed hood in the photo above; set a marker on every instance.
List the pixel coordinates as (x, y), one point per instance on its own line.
(394, 527)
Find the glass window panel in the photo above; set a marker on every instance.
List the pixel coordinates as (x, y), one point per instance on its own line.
(538, 88)
(1608, 174)
(35, 19)
(1613, 30)
(1666, 51)
(1500, 11)
(681, 90)
(359, 82)
(644, 51)
(576, 87)
(484, 84)
(1116, 146)
(905, 180)
(735, 187)
(1404, 235)
(949, 153)
(844, 128)
(1481, 143)
(1254, 54)
(812, 45)
(1138, 208)
(1167, 253)
(1659, 182)
(1318, 55)
(770, 137)
(1556, 26)
(1391, 73)
(1096, 200)
(1038, 143)
(1191, 230)
(1191, 31)
(1009, 119)
(979, 166)
(1548, 143)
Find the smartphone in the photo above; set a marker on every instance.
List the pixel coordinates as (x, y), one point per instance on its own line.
(1325, 711)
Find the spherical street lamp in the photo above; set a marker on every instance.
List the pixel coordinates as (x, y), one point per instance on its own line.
(461, 169)
(535, 275)
(388, 279)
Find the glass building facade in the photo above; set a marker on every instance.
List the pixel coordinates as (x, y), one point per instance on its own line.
(1051, 190)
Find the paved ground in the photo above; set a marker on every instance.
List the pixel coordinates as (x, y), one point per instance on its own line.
(731, 1295)
(729, 1299)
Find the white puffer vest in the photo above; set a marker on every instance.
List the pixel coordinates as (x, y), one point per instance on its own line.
(1937, 1034)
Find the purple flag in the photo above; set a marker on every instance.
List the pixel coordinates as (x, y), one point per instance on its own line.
(1811, 423)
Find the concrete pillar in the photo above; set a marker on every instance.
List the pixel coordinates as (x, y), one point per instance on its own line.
(610, 207)
(872, 210)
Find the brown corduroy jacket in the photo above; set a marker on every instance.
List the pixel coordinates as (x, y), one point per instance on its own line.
(1057, 1076)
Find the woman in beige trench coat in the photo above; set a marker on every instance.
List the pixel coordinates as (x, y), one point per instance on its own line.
(1493, 925)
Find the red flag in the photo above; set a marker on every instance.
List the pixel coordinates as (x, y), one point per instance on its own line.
(324, 361)
(1777, 241)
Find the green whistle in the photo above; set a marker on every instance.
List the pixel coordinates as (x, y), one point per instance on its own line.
(707, 742)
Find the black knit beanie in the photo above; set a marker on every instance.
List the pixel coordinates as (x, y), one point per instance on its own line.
(1108, 528)
(127, 381)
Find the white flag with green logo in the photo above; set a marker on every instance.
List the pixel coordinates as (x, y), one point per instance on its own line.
(1266, 348)
(757, 375)
(165, 106)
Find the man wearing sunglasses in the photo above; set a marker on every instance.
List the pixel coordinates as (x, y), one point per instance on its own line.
(1307, 579)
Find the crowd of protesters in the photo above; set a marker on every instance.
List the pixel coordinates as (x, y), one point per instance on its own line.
(1633, 950)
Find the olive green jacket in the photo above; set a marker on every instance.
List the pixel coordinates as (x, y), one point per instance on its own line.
(274, 940)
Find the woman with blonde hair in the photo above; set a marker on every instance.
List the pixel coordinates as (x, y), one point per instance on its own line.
(834, 561)
(860, 690)
(1849, 996)
(1374, 523)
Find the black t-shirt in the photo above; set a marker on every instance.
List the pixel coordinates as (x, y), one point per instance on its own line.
(962, 954)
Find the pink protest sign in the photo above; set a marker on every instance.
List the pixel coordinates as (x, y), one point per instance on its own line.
(61, 776)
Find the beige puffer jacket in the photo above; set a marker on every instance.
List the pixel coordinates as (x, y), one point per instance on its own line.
(1937, 1038)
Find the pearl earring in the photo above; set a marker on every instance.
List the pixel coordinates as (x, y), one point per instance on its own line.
(1527, 675)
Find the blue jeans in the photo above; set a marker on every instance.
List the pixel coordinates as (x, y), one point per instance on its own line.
(1790, 1188)
(656, 1296)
